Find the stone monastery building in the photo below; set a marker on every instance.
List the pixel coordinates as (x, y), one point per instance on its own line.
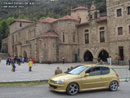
(85, 35)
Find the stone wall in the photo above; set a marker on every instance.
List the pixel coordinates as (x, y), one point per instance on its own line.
(114, 22)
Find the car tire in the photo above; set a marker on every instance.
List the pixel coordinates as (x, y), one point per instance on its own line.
(113, 86)
(72, 89)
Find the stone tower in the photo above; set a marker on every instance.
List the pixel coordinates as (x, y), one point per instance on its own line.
(94, 13)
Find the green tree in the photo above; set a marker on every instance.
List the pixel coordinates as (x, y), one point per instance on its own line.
(4, 28)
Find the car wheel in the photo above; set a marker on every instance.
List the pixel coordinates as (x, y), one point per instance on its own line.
(113, 86)
(72, 89)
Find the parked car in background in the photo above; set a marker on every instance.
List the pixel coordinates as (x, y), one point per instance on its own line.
(85, 78)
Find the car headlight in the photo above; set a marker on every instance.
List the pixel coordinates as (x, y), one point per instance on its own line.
(59, 81)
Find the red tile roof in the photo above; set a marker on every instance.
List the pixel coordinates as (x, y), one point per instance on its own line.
(101, 19)
(79, 8)
(49, 34)
(68, 18)
(48, 20)
(22, 20)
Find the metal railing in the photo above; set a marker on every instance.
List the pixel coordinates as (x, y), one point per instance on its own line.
(123, 72)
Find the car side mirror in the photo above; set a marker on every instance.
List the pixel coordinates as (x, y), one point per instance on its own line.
(86, 74)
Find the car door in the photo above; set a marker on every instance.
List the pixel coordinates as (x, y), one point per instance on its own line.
(92, 81)
(106, 77)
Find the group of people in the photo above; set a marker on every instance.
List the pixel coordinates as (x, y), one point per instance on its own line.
(13, 60)
(58, 70)
(17, 60)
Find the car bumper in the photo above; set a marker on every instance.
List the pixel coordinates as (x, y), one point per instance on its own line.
(57, 87)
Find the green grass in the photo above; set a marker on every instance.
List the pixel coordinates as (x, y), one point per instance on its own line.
(22, 84)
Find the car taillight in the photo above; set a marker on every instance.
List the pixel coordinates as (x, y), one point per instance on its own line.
(117, 75)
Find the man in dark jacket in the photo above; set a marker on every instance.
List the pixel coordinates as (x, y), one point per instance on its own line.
(58, 71)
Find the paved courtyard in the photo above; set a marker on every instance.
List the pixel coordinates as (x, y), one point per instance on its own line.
(42, 71)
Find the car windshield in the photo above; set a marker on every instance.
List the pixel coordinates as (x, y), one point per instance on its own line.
(77, 70)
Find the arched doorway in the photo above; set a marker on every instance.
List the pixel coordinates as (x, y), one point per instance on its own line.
(88, 56)
(24, 54)
(103, 55)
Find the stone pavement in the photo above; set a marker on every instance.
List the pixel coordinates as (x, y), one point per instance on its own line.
(40, 71)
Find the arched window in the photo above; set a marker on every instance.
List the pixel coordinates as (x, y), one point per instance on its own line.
(102, 34)
(63, 36)
(129, 29)
(87, 38)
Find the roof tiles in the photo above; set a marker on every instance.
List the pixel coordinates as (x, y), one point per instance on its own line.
(68, 18)
(48, 20)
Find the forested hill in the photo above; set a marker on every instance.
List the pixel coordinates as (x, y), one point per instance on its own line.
(52, 8)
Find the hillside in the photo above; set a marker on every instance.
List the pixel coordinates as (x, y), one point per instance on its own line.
(52, 8)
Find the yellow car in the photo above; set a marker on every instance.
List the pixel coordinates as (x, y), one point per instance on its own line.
(84, 78)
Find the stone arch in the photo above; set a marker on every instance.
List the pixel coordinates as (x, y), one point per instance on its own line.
(103, 55)
(88, 56)
(24, 54)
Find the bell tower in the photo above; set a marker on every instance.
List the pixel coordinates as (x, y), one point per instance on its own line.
(94, 13)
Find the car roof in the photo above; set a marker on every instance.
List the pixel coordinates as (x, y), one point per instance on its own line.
(97, 65)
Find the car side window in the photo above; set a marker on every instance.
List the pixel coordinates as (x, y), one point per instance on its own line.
(105, 70)
(94, 71)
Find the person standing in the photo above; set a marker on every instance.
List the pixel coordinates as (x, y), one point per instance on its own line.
(58, 71)
(63, 59)
(22, 59)
(30, 65)
(7, 60)
(110, 60)
(33, 60)
(118, 60)
(18, 61)
(13, 67)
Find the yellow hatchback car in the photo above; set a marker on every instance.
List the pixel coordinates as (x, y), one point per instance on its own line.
(85, 78)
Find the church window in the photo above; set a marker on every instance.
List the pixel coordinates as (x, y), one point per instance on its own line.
(119, 12)
(120, 30)
(102, 36)
(121, 52)
(20, 24)
(95, 15)
(129, 29)
(63, 36)
(86, 38)
(128, 10)
(91, 16)
(101, 28)
(86, 30)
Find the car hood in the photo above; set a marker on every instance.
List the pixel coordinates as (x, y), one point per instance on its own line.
(64, 76)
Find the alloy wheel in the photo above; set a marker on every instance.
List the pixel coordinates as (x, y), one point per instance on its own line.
(114, 86)
(72, 89)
